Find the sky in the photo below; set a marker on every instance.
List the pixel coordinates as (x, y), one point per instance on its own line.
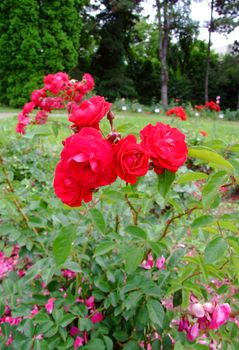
(201, 12)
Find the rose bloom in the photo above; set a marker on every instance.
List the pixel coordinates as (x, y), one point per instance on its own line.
(167, 147)
(89, 112)
(213, 106)
(199, 107)
(203, 133)
(56, 82)
(87, 162)
(178, 111)
(132, 160)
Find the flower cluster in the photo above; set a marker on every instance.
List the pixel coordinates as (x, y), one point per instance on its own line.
(178, 111)
(8, 264)
(213, 106)
(58, 92)
(202, 318)
(149, 263)
(90, 161)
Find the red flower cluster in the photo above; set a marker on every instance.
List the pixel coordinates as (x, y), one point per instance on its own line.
(57, 93)
(213, 106)
(199, 107)
(88, 160)
(178, 111)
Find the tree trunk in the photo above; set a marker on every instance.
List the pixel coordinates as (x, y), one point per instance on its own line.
(163, 26)
(210, 29)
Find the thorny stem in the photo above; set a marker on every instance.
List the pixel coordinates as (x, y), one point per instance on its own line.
(170, 221)
(79, 260)
(117, 222)
(135, 212)
(15, 200)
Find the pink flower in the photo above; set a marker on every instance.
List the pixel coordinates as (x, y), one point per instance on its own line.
(10, 340)
(97, 317)
(183, 324)
(148, 264)
(220, 315)
(90, 302)
(160, 263)
(50, 305)
(193, 332)
(74, 331)
(20, 128)
(28, 107)
(197, 310)
(79, 341)
(68, 274)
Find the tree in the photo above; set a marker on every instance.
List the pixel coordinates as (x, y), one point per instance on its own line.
(115, 21)
(173, 18)
(36, 38)
(227, 20)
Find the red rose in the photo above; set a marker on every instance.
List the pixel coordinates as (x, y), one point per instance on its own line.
(167, 147)
(178, 111)
(213, 106)
(87, 162)
(132, 160)
(89, 112)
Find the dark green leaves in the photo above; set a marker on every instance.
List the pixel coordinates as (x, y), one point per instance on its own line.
(97, 219)
(156, 312)
(215, 250)
(165, 181)
(63, 243)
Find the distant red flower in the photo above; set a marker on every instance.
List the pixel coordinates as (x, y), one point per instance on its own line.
(199, 107)
(178, 111)
(213, 106)
(203, 133)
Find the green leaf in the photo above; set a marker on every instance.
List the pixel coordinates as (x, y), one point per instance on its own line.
(104, 247)
(132, 345)
(191, 176)
(176, 257)
(156, 312)
(165, 181)
(95, 344)
(133, 257)
(63, 243)
(67, 319)
(203, 220)
(235, 263)
(97, 219)
(108, 343)
(210, 156)
(136, 232)
(210, 190)
(215, 250)
(178, 346)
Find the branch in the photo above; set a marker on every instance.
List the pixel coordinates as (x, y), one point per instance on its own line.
(17, 203)
(170, 221)
(135, 212)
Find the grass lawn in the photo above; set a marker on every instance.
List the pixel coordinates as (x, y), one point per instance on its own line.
(133, 122)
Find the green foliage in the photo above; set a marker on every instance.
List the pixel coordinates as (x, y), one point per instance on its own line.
(36, 37)
(179, 217)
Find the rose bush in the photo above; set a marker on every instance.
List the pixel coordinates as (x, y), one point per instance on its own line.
(147, 258)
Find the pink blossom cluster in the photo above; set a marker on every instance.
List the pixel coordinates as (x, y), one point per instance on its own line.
(203, 317)
(94, 315)
(14, 321)
(149, 263)
(8, 264)
(58, 92)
